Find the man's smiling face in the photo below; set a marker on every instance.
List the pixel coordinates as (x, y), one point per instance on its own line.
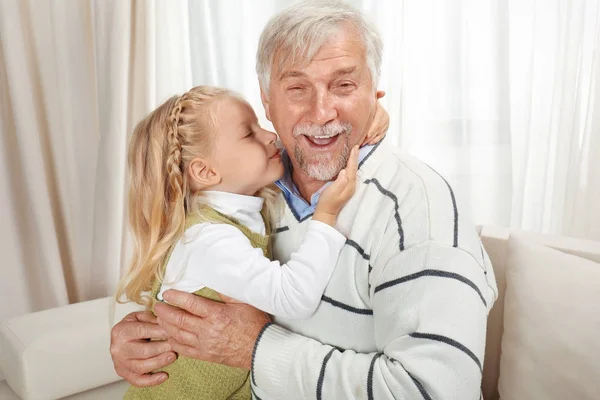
(321, 109)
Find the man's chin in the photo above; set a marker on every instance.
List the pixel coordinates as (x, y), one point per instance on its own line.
(322, 164)
(319, 155)
(322, 172)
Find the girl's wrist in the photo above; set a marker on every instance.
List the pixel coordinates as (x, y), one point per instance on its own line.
(325, 217)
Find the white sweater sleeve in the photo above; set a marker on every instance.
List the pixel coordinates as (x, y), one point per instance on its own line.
(221, 257)
(422, 349)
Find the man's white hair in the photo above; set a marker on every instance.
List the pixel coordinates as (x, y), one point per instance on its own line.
(297, 33)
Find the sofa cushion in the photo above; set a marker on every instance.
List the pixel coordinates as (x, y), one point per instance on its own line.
(550, 346)
(115, 390)
(58, 352)
(495, 242)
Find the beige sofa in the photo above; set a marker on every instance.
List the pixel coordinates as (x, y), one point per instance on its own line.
(63, 352)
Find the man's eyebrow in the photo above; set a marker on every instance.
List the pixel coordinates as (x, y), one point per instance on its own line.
(343, 71)
(292, 74)
(336, 74)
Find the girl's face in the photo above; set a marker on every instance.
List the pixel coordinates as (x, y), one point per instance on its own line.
(244, 155)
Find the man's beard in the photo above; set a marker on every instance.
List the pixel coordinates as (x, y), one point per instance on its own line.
(322, 166)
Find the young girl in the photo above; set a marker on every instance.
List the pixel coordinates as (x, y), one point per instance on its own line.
(199, 205)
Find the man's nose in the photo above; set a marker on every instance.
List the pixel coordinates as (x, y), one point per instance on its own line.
(323, 109)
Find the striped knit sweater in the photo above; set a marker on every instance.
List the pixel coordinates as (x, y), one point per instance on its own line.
(404, 314)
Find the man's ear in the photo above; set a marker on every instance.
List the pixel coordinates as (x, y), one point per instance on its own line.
(379, 94)
(265, 102)
(202, 174)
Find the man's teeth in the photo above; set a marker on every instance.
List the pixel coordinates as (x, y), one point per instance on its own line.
(325, 136)
(322, 140)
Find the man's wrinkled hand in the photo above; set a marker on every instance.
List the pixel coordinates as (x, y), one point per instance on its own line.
(135, 357)
(224, 333)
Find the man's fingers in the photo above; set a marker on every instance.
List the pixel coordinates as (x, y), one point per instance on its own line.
(149, 379)
(144, 349)
(193, 304)
(185, 350)
(144, 316)
(145, 330)
(139, 330)
(179, 334)
(169, 317)
(145, 380)
(149, 365)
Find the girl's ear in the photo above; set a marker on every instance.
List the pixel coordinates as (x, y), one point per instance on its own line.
(202, 174)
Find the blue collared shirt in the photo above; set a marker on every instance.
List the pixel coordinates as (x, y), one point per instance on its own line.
(300, 207)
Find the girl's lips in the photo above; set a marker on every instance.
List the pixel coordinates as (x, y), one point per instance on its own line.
(276, 155)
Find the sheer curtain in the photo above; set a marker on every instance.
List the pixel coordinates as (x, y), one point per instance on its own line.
(75, 77)
(143, 58)
(49, 131)
(500, 96)
(555, 116)
(447, 67)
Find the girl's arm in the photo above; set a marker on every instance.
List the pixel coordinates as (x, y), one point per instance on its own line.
(222, 258)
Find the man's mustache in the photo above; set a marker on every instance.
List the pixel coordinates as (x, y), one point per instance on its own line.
(329, 130)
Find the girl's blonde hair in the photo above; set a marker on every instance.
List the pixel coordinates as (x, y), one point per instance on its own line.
(160, 198)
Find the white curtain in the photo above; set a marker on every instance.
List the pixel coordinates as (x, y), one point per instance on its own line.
(142, 58)
(503, 98)
(555, 116)
(75, 77)
(49, 134)
(500, 96)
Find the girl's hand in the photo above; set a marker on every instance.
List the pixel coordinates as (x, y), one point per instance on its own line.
(339, 192)
(380, 125)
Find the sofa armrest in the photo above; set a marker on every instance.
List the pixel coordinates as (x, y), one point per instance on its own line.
(59, 352)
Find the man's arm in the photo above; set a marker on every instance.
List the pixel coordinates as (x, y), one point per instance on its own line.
(226, 333)
(430, 326)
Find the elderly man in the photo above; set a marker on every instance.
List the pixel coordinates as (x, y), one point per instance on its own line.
(404, 315)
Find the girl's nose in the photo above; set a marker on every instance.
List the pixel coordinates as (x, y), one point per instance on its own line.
(269, 137)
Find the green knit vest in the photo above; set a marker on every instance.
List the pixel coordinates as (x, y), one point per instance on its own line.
(196, 379)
